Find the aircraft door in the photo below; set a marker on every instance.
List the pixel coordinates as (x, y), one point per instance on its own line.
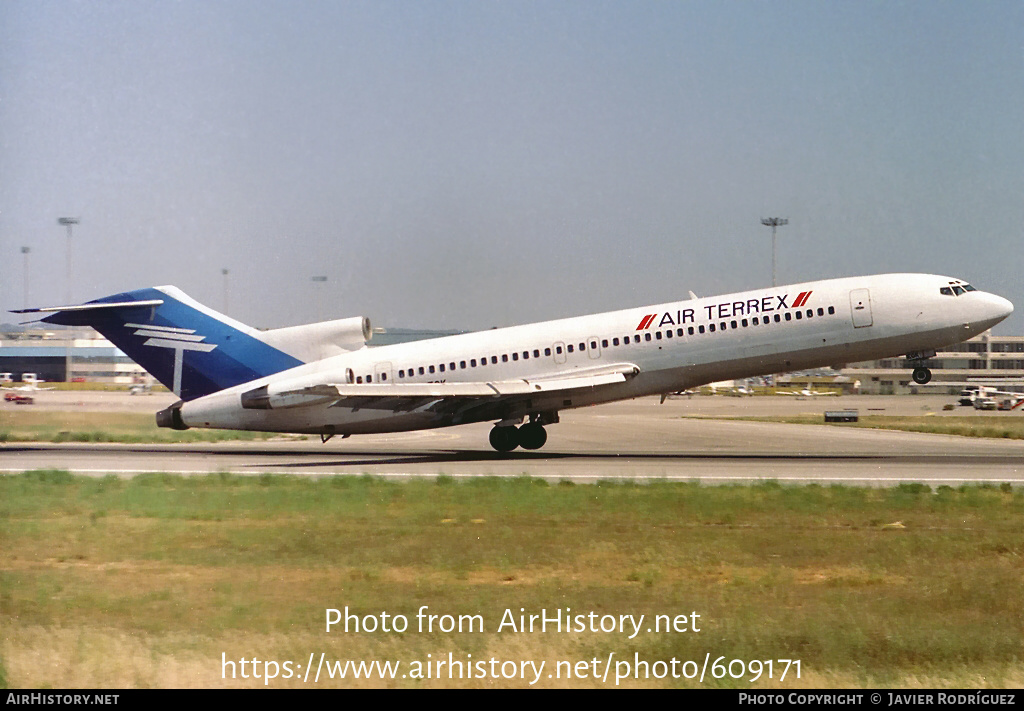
(558, 352)
(594, 347)
(382, 373)
(860, 307)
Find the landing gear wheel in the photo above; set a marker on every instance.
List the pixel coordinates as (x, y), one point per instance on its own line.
(532, 436)
(504, 439)
(922, 375)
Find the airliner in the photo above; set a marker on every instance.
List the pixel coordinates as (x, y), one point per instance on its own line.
(322, 378)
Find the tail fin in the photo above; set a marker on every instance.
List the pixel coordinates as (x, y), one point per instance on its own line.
(191, 349)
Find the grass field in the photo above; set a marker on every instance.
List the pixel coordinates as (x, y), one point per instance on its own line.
(24, 425)
(1008, 427)
(148, 581)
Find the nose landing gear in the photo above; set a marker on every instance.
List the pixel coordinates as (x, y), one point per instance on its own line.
(921, 374)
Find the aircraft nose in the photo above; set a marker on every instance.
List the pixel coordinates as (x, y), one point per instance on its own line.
(996, 308)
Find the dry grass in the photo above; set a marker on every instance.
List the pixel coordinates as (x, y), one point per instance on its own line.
(146, 583)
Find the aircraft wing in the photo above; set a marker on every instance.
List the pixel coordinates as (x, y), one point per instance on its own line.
(455, 398)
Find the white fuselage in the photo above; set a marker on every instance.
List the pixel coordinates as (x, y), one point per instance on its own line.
(674, 346)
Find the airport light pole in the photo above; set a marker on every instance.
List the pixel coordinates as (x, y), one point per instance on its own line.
(319, 296)
(24, 277)
(224, 272)
(774, 223)
(68, 222)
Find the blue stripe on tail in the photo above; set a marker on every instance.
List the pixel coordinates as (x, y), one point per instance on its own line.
(191, 349)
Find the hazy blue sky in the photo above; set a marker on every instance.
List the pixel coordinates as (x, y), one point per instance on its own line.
(468, 164)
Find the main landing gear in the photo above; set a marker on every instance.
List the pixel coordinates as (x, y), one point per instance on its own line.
(922, 375)
(505, 436)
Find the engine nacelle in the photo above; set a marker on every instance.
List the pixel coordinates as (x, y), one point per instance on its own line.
(316, 341)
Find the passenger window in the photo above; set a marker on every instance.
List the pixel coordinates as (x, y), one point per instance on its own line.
(359, 379)
(821, 311)
(383, 376)
(799, 315)
(831, 310)
(789, 316)
(462, 364)
(657, 335)
(732, 324)
(744, 323)
(756, 322)
(647, 336)
(401, 374)
(504, 358)
(689, 331)
(441, 367)
(668, 333)
(583, 347)
(810, 313)
(431, 370)
(536, 353)
(711, 327)
(604, 343)
(472, 362)
(569, 348)
(615, 341)
(494, 360)
(593, 345)
(369, 378)
(636, 338)
(777, 318)
(515, 356)
(679, 331)
(547, 351)
(702, 329)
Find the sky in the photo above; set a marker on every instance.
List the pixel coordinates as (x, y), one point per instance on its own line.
(475, 164)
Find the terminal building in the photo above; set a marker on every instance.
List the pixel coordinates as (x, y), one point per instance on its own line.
(65, 355)
(984, 360)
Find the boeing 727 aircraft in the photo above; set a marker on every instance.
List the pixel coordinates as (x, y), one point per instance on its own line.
(322, 379)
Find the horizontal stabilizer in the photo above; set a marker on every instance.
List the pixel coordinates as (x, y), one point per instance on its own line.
(89, 307)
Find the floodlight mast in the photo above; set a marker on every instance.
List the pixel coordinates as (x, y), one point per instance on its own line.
(24, 277)
(68, 222)
(774, 223)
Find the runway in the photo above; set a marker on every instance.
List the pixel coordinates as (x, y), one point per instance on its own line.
(640, 440)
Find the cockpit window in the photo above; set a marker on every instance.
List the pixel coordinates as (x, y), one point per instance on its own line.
(956, 289)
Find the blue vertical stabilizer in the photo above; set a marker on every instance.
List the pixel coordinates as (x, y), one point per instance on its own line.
(191, 349)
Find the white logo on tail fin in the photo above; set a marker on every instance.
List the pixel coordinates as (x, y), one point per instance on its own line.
(177, 339)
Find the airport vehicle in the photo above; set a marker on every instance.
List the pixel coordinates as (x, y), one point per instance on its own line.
(18, 399)
(322, 378)
(972, 393)
(984, 403)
